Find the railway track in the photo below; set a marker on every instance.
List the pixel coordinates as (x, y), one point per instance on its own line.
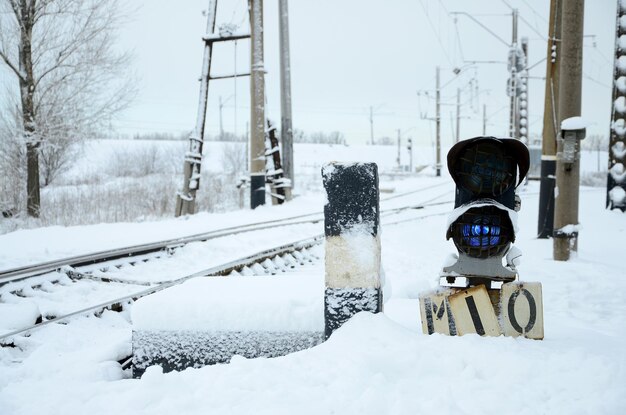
(271, 261)
(158, 249)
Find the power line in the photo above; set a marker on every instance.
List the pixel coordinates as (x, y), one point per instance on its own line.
(596, 81)
(532, 27)
(535, 11)
(458, 38)
(443, 48)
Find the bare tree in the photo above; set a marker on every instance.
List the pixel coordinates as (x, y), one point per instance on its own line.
(71, 79)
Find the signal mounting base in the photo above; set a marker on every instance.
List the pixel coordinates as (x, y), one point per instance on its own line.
(466, 282)
(483, 269)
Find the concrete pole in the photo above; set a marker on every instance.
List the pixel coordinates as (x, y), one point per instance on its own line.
(286, 127)
(438, 124)
(257, 110)
(548, 144)
(410, 155)
(221, 106)
(399, 148)
(484, 119)
(371, 125)
(458, 115)
(568, 175)
(186, 198)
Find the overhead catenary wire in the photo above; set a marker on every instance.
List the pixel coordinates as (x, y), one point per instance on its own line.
(443, 48)
(532, 27)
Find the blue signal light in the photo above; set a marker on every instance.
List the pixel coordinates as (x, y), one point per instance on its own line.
(483, 236)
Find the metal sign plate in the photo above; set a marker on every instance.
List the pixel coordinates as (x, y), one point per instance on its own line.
(521, 306)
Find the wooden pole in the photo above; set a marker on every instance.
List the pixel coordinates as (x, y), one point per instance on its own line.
(186, 199)
(548, 144)
(568, 175)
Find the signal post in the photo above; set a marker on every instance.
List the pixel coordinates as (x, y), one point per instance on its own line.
(480, 288)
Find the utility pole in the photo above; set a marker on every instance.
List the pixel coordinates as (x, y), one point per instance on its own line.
(257, 107)
(221, 121)
(286, 127)
(409, 146)
(247, 144)
(458, 115)
(513, 80)
(484, 119)
(371, 125)
(550, 121)
(186, 199)
(399, 149)
(568, 174)
(438, 123)
(616, 185)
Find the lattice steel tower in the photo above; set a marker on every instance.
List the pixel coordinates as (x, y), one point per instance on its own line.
(616, 182)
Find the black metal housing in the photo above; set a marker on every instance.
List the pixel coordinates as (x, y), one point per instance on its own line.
(487, 167)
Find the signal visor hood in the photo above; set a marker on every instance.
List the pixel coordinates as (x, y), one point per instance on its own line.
(514, 147)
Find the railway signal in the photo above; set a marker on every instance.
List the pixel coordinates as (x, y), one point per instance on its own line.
(485, 170)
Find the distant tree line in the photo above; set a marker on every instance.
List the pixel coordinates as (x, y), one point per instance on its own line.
(299, 136)
(319, 137)
(161, 136)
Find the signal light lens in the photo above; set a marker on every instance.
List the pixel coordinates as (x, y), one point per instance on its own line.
(482, 232)
(481, 235)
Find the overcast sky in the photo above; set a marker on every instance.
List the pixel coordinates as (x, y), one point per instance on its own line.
(348, 55)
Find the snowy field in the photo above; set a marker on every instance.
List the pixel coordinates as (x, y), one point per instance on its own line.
(375, 364)
(137, 180)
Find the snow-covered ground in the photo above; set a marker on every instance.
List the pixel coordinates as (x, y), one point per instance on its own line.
(375, 364)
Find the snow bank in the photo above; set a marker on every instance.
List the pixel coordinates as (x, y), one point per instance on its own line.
(374, 364)
(272, 303)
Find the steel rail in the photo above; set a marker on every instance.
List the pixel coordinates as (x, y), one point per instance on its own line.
(27, 271)
(215, 271)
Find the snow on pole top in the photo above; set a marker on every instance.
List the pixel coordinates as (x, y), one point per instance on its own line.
(269, 303)
(573, 123)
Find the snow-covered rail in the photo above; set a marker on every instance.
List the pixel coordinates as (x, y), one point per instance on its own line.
(270, 261)
(130, 253)
(158, 249)
(103, 280)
